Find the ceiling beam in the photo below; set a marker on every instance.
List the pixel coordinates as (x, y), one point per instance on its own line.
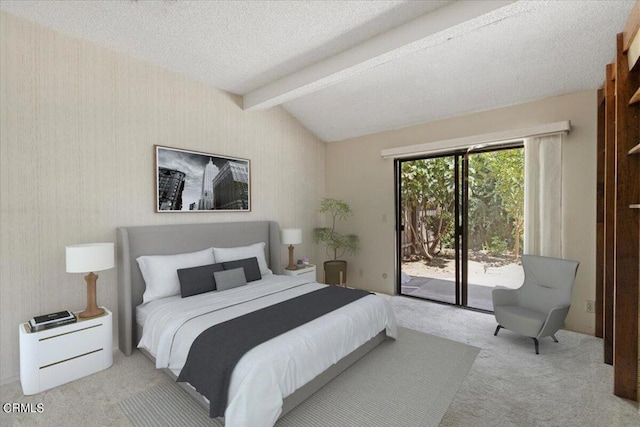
(431, 29)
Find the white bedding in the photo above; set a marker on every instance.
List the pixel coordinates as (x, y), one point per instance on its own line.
(267, 374)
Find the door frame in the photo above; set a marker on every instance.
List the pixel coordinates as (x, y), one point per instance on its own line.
(397, 165)
(461, 213)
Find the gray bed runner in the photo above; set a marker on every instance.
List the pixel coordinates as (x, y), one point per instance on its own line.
(216, 351)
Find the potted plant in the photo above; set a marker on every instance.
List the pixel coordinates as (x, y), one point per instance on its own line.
(336, 244)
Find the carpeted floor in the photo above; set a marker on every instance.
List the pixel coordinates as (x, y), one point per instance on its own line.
(410, 381)
(508, 385)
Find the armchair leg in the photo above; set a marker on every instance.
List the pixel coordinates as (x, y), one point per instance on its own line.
(554, 337)
(535, 341)
(497, 329)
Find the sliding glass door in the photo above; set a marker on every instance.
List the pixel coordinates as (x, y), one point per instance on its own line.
(494, 223)
(429, 199)
(460, 222)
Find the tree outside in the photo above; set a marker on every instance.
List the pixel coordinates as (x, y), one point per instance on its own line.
(428, 207)
(496, 199)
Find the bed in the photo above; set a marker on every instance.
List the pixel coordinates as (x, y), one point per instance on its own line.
(358, 326)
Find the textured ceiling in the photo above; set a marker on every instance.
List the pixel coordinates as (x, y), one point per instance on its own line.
(522, 51)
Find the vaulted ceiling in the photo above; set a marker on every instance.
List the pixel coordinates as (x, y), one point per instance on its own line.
(349, 68)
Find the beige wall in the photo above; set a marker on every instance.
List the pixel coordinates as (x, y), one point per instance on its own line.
(78, 124)
(356, 173)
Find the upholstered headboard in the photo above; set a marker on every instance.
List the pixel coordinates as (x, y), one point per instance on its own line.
(133, 242)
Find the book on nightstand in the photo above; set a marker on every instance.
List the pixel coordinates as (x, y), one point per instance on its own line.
(51, 320)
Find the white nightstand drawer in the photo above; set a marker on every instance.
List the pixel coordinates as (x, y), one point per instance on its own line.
(61, 347)
(61, 354)
(71, 370)
(306, 273)
(309, 275)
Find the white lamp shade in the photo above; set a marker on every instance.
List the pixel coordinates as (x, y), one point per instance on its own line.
(89, 257)
(291, 236)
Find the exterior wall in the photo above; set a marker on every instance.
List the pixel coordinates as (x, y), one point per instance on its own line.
(357, 173)
(78, 127)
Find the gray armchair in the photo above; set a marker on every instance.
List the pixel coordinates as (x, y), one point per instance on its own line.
(538, 308)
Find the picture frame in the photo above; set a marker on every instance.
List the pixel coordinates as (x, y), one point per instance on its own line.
(193, 181)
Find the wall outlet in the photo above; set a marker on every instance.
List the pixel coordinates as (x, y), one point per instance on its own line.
(590, 306)
(360, 272)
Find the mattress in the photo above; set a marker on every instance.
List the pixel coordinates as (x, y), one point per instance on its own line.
(267, 374)
(142, 311)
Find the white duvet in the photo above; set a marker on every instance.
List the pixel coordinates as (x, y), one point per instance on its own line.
(268, 373)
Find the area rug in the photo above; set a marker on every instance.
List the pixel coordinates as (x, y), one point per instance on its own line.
(407, 382)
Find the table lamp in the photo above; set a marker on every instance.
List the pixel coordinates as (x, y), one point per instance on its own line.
(87, 258)
(291, 236)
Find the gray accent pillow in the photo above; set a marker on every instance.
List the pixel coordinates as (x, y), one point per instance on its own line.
(229, 279)
(250, 266)
(198, 280)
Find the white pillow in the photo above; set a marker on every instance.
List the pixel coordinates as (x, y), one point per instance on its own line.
(160, 272)
(242, 252)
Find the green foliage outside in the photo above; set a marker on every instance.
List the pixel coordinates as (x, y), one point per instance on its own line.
(428, 202)
(496, 204)
(496, 185)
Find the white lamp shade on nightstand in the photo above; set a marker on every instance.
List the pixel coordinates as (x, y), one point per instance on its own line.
(89, 257)
(291, 236)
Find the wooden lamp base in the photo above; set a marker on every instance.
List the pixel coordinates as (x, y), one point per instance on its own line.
(92, 309)
(291, 265)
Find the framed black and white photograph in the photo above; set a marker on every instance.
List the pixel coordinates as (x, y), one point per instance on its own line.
(191, 181)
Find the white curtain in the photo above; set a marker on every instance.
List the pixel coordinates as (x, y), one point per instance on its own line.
(543, 196)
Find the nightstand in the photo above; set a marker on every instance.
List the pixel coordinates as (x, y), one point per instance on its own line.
(56, 356)
(309, 272)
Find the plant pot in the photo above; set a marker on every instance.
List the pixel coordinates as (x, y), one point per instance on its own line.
(332, 270)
